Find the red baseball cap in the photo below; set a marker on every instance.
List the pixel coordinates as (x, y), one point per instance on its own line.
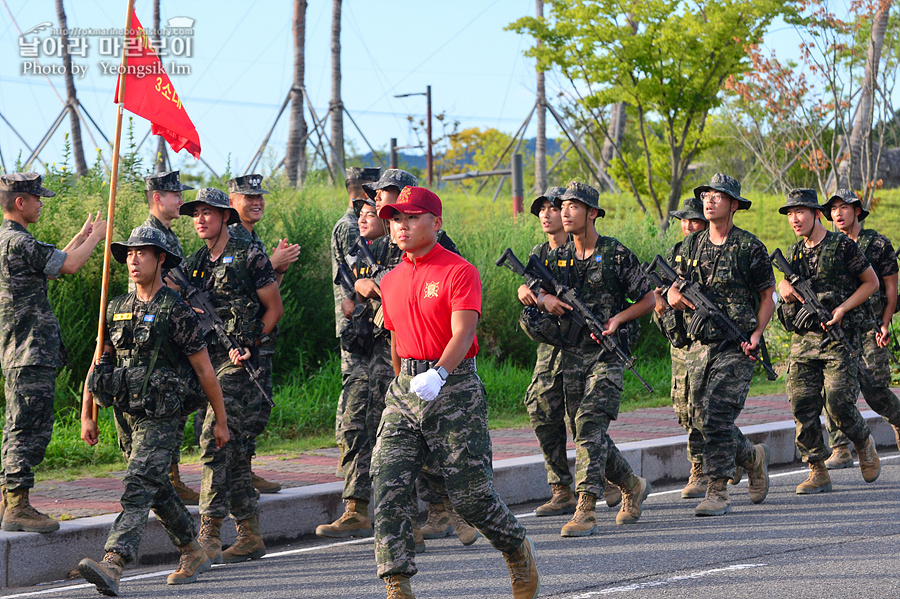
(413, 200)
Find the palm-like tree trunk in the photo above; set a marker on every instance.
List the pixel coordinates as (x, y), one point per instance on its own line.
(77, 149)
(336, 107)
(295, 161)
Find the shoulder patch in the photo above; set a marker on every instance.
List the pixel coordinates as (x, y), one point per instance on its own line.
(227, 259)
(149, 317)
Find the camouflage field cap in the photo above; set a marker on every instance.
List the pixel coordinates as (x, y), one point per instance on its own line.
(142, 237)
(24, 183)
(168, 181)
(550, 195)
(691, 210)
(391, 177)
(211, 197)
(806, 198)
(849, 197)
(358, 205)
(727, 185)
(582, 192)
(358, 173)
(248, 185)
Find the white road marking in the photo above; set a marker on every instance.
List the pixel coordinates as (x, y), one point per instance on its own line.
(666, 581)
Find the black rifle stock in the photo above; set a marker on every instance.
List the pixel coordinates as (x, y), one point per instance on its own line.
(509, 260)
(345, 279)
(813, 310)
(580, 313)
(210, 322)
(705, 309)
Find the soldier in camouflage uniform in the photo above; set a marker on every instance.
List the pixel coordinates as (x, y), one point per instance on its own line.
(343, 236)
(846, 212)
(545, 398)
(241, 284)
(164, 199)
(607, 276)
(442, 519)
(245, 194)
(436, 404)
(153, 334)
(31, 346)
(732, 268)
(671, 324)
(843, 280)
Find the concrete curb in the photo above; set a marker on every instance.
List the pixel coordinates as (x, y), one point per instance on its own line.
(29, 558)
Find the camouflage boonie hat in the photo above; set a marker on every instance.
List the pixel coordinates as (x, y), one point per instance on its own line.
(806, 198)
(211, 197)
(391, 177)
(358, 205)
(727, 185)
(248, 185)
(550, 195)
(168, 181)
(25, 183)
(582, 192)
(849, 197)
(142, 237)
(691, 210)
(358, 173)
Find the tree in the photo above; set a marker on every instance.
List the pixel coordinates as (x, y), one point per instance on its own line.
(295, 162)
(667, 59)
(336, 107)
(71, 101)
(161, 153)
(540, 146)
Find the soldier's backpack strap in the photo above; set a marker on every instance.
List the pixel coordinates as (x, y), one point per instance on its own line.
(161, 332)
(240, 265)
(865, 239)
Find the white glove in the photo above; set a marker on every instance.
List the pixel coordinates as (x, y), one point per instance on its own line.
(427, 385)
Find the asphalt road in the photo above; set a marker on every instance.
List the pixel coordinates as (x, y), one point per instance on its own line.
(839, 544)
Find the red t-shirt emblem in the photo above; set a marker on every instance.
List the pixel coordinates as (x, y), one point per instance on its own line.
(431, 289)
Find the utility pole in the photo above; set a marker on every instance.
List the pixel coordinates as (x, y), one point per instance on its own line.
(540, 146)
(429, 155)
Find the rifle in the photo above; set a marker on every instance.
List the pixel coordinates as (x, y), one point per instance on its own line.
(361, 250)
(510, 261)
(210, 322)
(813, 310)
(655, 281)
(580, 313)
(704, 310)
(345, 279)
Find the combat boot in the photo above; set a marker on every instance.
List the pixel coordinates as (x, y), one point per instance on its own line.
(187, 494)
(584, 522)
(19, 516)
(717, 502)
(417, 536)
(398, 587)
(896, 435)
(105, 574)
(354, 522)
(526, 583)
(259, 483)
(634, 492)
(563, 501)
(818, 481)
(464, 532)
(697, 483)
(758, 474)
(612, 495)
(248, 544)
(869, 464)
(438, 523)
(210, 537)
(738, 475)
(840, 458)
(193, 563)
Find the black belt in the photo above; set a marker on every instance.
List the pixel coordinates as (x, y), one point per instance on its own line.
(414, 367)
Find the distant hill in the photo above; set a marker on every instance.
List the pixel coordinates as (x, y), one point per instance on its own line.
(417, 161)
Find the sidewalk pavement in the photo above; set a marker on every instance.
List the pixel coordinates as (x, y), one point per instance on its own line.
(86, 497)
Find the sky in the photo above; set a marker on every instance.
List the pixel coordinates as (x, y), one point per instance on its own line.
(241, 68)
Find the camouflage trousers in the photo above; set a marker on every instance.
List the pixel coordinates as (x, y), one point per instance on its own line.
(877, 361)
(682, 406)
(29, 423)
(354, 382)
(593, 392)
(151, 443)
(453, 428)
(362, 413)
(812, 369)
(226, 486)
(717, 386)
(546, 404)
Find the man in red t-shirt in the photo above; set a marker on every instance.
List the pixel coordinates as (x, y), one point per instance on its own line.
(431, 303)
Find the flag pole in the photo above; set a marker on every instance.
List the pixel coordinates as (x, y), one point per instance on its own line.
(113, 184)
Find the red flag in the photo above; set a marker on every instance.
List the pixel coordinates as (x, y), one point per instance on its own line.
(150, 94)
